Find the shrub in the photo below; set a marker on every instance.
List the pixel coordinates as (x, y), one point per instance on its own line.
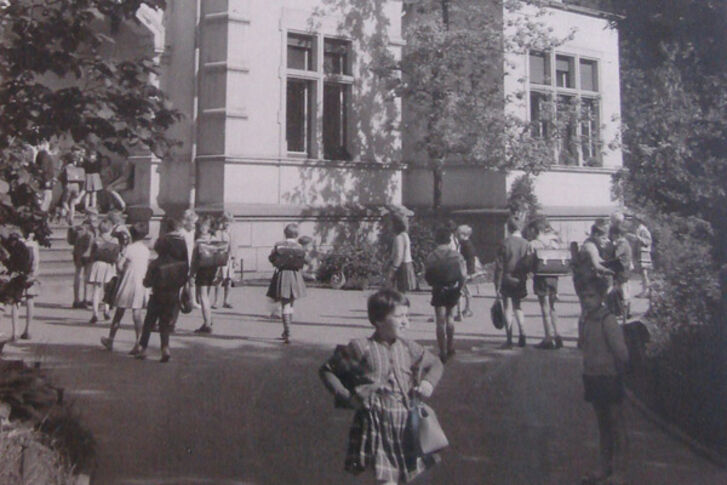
(358, 259)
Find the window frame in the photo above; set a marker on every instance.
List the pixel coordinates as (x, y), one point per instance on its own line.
(319, 79)
(552, 92)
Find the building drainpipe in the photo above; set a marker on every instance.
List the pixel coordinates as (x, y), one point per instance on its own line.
(195, 108)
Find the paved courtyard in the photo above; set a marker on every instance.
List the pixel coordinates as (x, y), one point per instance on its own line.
(238, 407)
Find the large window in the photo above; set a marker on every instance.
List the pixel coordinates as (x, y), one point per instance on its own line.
(565, 106)
(318, 92)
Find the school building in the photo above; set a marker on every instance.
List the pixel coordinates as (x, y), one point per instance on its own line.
(287, 120)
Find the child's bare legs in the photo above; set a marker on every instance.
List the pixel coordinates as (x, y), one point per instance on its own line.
(554, 320)
(77, 282)
(96, 301)
(440, 314)
(612, 439)
(519, 319)
(226, 295)
(287, 311)
(29, 306)
(545, 312)
(108, 342)
(214, 299)
(203, 295)
(138, 324)
(644, 282)
(13, 318)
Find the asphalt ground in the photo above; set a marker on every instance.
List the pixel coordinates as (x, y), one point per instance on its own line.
(239, 407)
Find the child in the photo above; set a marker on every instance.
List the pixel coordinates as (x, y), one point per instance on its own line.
(81, 238)
(166, 275)
(467, 250)
(604, 355)
(445, 272)
(130, 292)
(511, 279)
(72, 177)
(545, 287)
(93, 184)
(377, 377)
(402, 275)
(287, 284)
(644, 239)
(204, 275)
(32, 251)
(621, 300)
(104, 255)
(226, 272)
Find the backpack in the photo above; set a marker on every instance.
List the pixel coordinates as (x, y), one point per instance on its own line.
(288, 257)
(443, 269)
(212, 254)
(552, 262)
(166, 274)
(106, 251)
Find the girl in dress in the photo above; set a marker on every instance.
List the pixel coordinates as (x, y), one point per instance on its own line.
(103, 266)
(287, 284)
(377, 377)
(226, 272)
(93, 185)
(402, 277)
(204, 277)
(130, 292)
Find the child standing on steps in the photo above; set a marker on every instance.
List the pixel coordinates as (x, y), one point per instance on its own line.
(287, 285)
(104, 256)
(605, 355)
(377, 377)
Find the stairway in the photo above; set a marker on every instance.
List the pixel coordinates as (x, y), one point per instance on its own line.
(56, 262)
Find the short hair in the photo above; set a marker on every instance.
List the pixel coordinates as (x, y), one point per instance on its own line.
(138, 231)
(616, 230)
(597, 283)
(105, 226)
(189, 215)
(172, 224)
(204, 221)
(464, 231)
(513, 224)
(303, 240)
(383, 302)
(598, 229)
(291, 230)
(442, 235)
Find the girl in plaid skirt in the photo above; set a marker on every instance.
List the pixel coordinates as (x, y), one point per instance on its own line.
(376, 376)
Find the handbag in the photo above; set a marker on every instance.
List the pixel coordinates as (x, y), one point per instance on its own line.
(497, 314)
(426, 434)
(212, 254)
(109, 290)
(185, 300)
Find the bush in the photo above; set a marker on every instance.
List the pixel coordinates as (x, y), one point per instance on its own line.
(357, 259)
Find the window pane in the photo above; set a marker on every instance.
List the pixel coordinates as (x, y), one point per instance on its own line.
(564, 72)
(540, 114)
(297, 122)
(539, 68)
(335, 134)
(589, 76)
(566, 123)
(335, 56)
(300, 52)
(590, 132)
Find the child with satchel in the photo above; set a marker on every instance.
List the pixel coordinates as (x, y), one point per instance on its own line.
(605, 356)
(130, 292)
(104, 256)
(377, 377)
(445, 271)
(286, 286)
(512, 266)
(81, 238)
(166, 276)
(226, 273)
(206, 261)
(73, 178)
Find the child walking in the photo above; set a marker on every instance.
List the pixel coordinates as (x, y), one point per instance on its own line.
(545, 287)
(445, 272)
(511, 279)
(287, 285)
(81, 238)
(130, 292)
(376, 376)
(226, 272)
(204, 274)
(467, 250)
(604, 356)
(104, 256)
(32, 256)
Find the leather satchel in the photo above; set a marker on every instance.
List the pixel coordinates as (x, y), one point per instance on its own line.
(425, 431)
(497, 314)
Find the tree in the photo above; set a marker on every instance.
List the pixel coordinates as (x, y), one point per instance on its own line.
(453, 68)
(675, 139)
(57, 83)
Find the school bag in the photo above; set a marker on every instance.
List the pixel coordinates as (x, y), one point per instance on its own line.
(106, 251)
(166, 274)
(443, 268)
(212, 254)
(288, 257)
(552, 262)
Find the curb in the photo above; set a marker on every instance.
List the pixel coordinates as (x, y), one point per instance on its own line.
(674, 432)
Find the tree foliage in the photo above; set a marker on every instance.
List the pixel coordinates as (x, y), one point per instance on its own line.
(453, 69)
(57, 83)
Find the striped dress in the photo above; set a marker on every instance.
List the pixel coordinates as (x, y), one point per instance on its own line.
(377, 438)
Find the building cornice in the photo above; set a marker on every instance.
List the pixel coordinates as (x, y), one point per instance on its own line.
(592, 12)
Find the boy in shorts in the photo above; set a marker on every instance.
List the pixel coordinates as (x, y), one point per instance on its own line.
(511, 277)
